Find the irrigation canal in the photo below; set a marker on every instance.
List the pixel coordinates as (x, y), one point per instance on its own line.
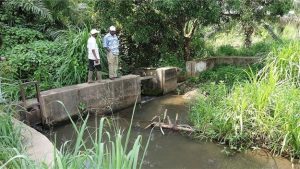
(174, 150)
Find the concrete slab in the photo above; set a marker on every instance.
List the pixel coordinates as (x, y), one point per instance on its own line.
(101, 97)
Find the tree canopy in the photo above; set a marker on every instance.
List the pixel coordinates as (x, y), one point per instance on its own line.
(150, 30)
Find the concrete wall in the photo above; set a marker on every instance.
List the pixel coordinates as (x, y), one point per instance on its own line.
(164, 81)
(99, 97)
(167, 78)
(38, 147)
(193, 68)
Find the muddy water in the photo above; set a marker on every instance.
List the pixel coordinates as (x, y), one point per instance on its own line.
(173, 150)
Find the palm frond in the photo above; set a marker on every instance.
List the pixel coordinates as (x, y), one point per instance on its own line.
(36, 7)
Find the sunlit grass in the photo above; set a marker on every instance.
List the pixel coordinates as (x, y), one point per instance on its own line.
(261, 113)
(107, 150)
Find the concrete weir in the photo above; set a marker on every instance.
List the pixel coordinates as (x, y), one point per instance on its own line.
(108, 95)
(195, 67)
(164, 80)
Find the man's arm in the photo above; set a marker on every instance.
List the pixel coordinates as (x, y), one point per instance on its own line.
(94, 53)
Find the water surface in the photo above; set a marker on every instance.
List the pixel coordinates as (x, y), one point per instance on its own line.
(174, 150)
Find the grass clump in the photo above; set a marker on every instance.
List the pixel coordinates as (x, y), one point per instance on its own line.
(11, 147)
(257, 49)
(109, 151)
(228, 74)
(263, 112)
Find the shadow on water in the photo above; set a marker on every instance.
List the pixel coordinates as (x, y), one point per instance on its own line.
(173, 150)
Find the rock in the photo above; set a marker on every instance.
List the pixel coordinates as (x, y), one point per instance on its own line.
(191, 94)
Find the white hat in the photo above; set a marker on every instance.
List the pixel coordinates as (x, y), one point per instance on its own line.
(94, 31)
(112, 28)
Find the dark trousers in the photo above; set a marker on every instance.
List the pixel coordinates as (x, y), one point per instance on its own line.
(92, 66)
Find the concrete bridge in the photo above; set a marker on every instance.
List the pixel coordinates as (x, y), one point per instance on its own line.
(57, 105)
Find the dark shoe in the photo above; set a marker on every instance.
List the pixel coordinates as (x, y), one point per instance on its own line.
(112, 78)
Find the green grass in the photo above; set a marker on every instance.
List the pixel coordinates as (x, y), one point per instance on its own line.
(109, 153)
(53, 63)
(11, 147)
(257, 49)
(262, 112)
(228, 74)
(109, 150)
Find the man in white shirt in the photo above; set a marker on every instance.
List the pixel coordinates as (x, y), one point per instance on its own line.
(93, 55)
(111, 44)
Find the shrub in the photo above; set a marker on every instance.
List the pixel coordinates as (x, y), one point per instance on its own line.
(227, 50)
(52, 63)
(171, 60)
(13, 36)
(36, 61)
(200, 49)
(257, 49)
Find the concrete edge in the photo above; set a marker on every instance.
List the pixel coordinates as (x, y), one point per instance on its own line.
(37, 146)
(227, 57)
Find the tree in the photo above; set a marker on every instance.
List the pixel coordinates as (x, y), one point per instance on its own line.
(66, 13)
(251, 13)
(186, 17)
(144, 36)
(1, 41)
(158, 28)
(27, 7)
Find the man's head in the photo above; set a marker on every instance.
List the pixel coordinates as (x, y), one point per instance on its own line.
(94, 32)
(112, 30)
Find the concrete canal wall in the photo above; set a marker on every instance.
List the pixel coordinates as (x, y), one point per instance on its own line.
(58, 105)
(37, 146)
(194, 67)
(105, 96)
(164, 80)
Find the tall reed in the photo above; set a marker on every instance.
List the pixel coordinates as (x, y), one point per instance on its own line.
(261, 113)
(107, 149)
(11, 147)
(74, 67)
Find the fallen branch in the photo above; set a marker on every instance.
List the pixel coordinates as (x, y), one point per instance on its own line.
(172, 126)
